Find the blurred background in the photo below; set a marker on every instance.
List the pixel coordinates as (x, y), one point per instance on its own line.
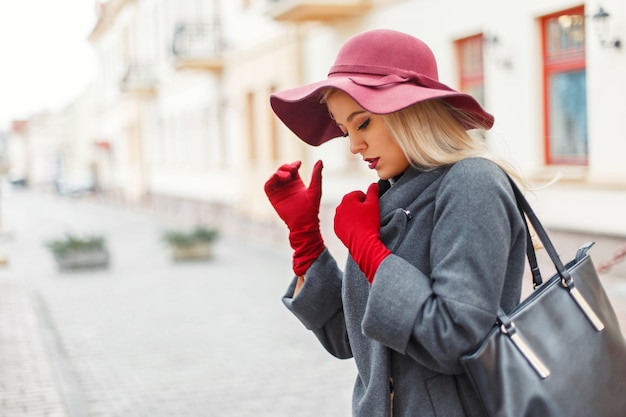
(130, 125)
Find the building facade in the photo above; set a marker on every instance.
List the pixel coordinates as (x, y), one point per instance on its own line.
(180, 116)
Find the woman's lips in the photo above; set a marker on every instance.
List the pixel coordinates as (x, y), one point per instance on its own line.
(371, 162)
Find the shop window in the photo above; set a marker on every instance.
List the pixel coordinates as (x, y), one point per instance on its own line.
(565, 91)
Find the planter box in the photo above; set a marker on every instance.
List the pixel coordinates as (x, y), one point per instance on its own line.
(83, 259)
(196, 251)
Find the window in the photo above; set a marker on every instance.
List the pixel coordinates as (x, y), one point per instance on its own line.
(470, 58)
(565, 91)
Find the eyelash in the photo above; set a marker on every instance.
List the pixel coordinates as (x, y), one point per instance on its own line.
(361, 127)
(364, 124)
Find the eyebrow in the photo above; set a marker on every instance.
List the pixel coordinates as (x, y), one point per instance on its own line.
(355, 114)
(352, 115)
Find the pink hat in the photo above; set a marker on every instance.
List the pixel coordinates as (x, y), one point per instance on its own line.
(382, 70)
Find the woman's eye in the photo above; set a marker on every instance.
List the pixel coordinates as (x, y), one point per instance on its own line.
(364, 124)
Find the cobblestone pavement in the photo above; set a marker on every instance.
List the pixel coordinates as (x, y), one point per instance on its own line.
(149, 337)
(27, 382)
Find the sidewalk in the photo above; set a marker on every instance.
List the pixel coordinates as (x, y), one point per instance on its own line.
(152, 338)
(28, 384)
(149, 337)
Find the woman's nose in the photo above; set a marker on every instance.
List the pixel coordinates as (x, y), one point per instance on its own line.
(356, 144)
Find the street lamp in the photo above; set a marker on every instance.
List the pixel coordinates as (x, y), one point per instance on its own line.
(601, 22)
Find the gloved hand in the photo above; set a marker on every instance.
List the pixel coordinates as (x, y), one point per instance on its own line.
(299, 208)
(357, 225)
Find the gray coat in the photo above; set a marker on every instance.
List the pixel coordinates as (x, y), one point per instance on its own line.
(458, 253)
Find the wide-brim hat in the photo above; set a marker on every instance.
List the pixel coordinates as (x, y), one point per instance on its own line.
(383, 71)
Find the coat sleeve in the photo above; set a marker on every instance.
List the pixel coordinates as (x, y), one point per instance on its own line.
(319, 307)
(477, 234)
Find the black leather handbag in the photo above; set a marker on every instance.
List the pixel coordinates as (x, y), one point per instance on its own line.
(560, 352)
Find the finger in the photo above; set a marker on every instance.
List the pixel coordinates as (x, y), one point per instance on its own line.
(372, 192)
(282, 175)
(288, 171)
(270, 184)
(354, 196)
(315, 186)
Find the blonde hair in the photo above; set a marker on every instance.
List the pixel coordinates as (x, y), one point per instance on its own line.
(431, 134)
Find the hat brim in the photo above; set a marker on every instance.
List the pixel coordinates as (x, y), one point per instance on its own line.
(302, 112)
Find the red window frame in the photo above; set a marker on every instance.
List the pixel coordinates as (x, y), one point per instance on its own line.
(557, 61)
(469, 52)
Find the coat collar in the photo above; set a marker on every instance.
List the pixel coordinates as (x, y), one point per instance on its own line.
(407, 189)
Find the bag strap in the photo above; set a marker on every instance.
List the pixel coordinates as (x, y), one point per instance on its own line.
(528, 213)
(531, 254)
(566, 278)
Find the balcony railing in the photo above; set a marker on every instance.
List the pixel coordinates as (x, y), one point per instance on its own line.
(303, 10)
(197, 45)
(138, 79)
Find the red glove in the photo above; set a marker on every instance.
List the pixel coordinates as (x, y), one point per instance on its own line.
(357, 225)
(299, 208)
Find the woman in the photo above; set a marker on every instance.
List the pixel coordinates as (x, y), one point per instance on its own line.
(436, 246)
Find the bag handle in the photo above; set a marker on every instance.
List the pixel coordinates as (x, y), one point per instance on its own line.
(566, 278)
(506, 324)
(531, 254)
(528, 213)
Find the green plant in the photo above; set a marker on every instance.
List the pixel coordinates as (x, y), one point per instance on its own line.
(197, 235)
(71, 243)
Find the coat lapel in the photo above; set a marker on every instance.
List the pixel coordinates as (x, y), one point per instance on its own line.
(401, 200)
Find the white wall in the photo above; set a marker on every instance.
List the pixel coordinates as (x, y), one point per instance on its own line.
(263, 53)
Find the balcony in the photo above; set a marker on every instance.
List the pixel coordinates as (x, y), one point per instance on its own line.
(197, 46)
(106, 13)
(138, 79)
(302, 10)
